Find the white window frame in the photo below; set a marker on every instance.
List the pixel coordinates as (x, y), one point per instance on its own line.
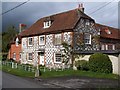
(89, 38)
(58, 36)
(30, 56)
(55, 58)
(113, 47)
(14, 56)
(102, 47)
(106, 47)
(28, 41)
(47, 24)
(41, 42)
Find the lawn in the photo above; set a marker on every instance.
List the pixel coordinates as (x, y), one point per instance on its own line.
(53, 73)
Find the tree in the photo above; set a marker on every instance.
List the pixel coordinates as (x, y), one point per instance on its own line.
(7, 37)
(67, 51)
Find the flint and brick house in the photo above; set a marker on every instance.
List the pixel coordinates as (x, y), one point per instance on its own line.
(42, 42)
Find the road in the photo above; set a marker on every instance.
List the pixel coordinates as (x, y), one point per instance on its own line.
(11, 81)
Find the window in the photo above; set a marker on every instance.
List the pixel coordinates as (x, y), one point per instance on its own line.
(103, 47)
(87, 38)
(106, 47)
(58, 39)
(14, 56)
(113, 47)
(20, 56)
(30, 41)
(87, 22)
(47, 24)
(30, 56)
(42, 40)
(58, 58)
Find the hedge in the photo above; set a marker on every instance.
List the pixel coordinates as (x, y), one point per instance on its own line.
(99, 62)
(82, 65)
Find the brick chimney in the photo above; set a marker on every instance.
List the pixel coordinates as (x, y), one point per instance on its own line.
(80, 7)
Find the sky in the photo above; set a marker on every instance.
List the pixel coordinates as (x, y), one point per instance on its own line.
(30, 12)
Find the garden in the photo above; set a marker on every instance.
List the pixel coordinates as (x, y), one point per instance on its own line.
(99, 66)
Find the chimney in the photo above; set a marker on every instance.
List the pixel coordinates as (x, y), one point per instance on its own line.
(21, 27)
(80, 7)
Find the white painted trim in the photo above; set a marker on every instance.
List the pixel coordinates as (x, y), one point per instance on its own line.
(55, 58)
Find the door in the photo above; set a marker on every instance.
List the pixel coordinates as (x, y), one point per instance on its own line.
(42, 58)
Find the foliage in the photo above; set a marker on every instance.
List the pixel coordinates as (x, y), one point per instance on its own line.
(66, 52)
(82, 65)
(7, 37)
(99, 62)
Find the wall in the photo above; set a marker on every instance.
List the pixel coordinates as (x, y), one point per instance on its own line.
(114, 60)
(15, 49)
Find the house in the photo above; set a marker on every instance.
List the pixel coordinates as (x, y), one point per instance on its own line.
(42, 42)
(15, 51)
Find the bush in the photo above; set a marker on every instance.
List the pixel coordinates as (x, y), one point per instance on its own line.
(82, 65)
(99, 62)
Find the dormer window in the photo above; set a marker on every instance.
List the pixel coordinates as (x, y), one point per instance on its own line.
(107, 31)
(47, 24)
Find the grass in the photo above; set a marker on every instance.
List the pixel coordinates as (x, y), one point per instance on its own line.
(17, 72)
(53, 73)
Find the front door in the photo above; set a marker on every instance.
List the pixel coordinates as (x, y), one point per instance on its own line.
(42, 58)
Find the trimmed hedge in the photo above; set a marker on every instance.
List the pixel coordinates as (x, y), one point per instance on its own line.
(99, 62)
(82, 65)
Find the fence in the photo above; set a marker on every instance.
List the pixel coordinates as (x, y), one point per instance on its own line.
(19, 66)
(31, 68)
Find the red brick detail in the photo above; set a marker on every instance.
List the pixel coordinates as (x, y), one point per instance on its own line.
(15, 49)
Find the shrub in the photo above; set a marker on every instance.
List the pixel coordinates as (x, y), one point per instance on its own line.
(99, 62)
(82, 65)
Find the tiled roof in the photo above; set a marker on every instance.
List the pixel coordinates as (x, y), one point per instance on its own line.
(65, 21)
(108, 32)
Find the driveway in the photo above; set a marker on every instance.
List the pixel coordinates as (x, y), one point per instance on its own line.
(74, 82)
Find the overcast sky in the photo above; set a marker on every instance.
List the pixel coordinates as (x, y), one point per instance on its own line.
(30, 12)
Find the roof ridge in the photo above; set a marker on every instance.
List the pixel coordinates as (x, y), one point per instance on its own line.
(107, 26)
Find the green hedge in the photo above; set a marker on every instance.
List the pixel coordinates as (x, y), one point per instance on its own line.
(99, 62)
(82, 65)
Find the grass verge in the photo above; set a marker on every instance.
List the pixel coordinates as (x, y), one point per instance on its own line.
(48, 74)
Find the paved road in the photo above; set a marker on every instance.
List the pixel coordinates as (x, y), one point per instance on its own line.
(11, 81)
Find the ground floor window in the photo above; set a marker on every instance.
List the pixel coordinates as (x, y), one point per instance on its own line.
(20, 56)
(58, 57)
(14, 56)
(30, 56)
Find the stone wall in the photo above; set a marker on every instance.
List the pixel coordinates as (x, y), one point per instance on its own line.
(114, 59)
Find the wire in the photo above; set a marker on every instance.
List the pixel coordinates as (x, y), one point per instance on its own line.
(14, 7)
(101, 7)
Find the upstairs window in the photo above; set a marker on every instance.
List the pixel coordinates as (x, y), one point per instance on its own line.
(30, 41)
(58, 39)
(47, 24)
(42, 40)
(87, 38)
